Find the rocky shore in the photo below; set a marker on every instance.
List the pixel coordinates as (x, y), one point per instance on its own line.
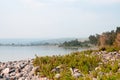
(24, 69)
(17, 70)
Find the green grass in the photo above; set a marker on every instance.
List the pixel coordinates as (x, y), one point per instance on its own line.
(78, 59)
(84, 61)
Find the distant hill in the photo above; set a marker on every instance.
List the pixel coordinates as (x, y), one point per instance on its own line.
(18, 41)
(58, 41)
(36, 41)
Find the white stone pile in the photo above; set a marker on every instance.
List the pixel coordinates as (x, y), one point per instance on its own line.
(17, 70)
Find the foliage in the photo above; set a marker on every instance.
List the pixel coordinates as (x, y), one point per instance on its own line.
(81, 60)
(105, 39)
(75, 43)
(85, 61)
(108, 38)
(72, 43)
(117, 30)
(117, 40)
(94, 39)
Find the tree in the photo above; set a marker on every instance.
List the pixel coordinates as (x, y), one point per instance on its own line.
(102, 40)
(110, 37)
(94, 39)
(118, 30)
(71, 43)
(106, 39)
(117, 40)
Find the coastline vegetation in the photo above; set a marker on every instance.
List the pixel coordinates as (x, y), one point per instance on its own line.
(109, 38)
(90, 66)
(91, 63)
(75, 43)
(83, 61)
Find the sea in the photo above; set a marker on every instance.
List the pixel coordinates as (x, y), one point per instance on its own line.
(15, 53)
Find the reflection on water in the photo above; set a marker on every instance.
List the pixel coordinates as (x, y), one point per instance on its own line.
(10, 53)
(72, 48)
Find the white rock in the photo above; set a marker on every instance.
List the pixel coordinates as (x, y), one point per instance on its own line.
(94, 79)
(76, 75)
(44, 78)
(57, 76)
(6, 71)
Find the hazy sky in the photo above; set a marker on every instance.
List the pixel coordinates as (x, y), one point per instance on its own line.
(57, 18)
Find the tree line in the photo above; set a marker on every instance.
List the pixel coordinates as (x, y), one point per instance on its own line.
(74, 43)
(109, 38)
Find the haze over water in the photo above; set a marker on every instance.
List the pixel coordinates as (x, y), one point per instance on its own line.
(12, 53)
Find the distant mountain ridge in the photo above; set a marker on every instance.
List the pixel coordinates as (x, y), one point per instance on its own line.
(37, 41)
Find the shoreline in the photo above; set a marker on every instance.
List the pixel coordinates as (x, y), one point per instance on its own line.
(16, 60)
(25, 70)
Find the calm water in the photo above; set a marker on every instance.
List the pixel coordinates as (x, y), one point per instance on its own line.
(12, 53)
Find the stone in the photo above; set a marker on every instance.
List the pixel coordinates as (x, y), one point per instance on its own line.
(57, 76)
(1, 76)
(94, 79)
(75, 72)
(98, 68)
(6, 71)
(11, 71)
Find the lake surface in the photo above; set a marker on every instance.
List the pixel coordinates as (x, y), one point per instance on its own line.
(12, 53)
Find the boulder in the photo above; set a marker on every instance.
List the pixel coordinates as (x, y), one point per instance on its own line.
(6, 71)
